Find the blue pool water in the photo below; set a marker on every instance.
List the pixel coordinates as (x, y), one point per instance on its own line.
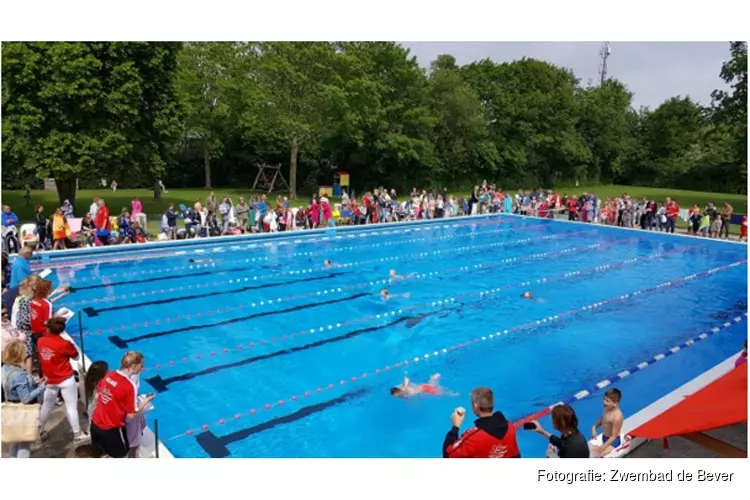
(259, 322)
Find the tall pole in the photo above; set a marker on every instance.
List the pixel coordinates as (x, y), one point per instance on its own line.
(604, 54)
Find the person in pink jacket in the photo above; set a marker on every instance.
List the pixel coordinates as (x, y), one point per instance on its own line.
(325, 206)
(315, 210)
(137, 209)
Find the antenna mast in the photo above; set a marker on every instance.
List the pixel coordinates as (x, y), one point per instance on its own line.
(604, 54)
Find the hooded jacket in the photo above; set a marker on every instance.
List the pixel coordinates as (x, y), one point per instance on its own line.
(491, 437)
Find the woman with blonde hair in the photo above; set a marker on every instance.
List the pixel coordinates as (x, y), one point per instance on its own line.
(116, 406)
(20, 317)
(19, 387)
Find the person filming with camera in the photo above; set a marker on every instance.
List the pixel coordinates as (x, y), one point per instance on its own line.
(571, 443)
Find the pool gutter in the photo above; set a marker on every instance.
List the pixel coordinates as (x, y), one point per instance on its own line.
(49, 257)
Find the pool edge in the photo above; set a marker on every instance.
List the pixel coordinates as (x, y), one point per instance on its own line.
(671, 399)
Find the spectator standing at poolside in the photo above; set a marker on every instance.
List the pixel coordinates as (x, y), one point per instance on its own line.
(673, 211)
(137, 208)
(171, 219)
(94, 208)
(19, 387)
(571, 443)
(55, 354)
(116, 406)
(9, 217)
(241, 211)
(41, 225)
(21, 268)
(102, 222)
(726, 218)
(211, 203)
(491, 437)
(20, 317)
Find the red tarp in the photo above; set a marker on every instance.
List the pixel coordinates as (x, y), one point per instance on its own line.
(723, 402)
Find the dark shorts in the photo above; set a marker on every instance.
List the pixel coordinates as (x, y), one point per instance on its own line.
(113, 441)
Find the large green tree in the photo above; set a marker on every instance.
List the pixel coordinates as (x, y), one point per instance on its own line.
(604, 123)
(208, 88)
(77, 109)
(532, 116)
(462, 140)
(731, 111)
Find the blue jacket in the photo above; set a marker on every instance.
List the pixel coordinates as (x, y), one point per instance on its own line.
(10, 219)
(19, 386)
(19, 271)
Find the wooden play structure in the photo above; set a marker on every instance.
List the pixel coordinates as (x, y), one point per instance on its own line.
(268, 176)
(340, 184)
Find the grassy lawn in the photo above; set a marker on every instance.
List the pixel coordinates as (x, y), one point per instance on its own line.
(116, 201)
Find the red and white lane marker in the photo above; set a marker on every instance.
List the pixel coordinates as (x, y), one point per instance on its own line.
(294, 335)
(211, 312)
(235, 247)
(417, 255)
(241, 280)
(461, 345)
(584, 393)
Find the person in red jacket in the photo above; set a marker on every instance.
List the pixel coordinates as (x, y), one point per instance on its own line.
(573, 208)
(55, 354)
(673, 210)
(491, 437)
(116, 404)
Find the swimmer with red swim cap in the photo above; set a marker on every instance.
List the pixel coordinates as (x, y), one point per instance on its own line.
(408, 389)
(386, 295)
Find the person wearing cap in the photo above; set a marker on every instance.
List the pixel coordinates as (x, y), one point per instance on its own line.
(491, 437)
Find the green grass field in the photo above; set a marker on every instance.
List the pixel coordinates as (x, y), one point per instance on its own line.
(121, 199)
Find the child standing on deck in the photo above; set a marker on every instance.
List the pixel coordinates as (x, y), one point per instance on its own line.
(611, 422)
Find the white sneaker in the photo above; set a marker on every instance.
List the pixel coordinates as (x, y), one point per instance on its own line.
(81, 437)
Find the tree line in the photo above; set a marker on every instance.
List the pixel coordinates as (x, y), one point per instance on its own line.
(205, 113)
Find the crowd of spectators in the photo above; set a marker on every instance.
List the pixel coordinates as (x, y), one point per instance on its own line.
(258, 214)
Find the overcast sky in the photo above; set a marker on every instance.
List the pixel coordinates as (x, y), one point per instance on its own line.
(653, 71)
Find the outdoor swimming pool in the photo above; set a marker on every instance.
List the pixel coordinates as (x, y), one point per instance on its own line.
(258, 350)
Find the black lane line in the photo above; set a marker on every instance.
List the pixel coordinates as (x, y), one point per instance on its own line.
(92, 312)
(162, 384)
(123, 343)
(216, 446)
(160, 278)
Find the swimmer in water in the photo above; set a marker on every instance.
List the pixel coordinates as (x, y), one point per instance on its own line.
(328, 264)
(408, 389)
(530, 296)
(395, 276)
(200, 261)
(387, 296)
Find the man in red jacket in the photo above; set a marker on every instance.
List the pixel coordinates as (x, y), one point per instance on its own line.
(491, 437)
(673, 211)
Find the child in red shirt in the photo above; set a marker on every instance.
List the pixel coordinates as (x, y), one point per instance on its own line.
(55, 354)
